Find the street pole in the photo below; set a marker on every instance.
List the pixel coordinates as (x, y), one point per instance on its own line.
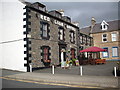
(115, 72)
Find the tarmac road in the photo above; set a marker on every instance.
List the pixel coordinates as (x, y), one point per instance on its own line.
(7, 83)
(18, 84)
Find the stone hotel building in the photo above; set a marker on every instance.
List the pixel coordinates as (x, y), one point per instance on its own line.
(51, 37)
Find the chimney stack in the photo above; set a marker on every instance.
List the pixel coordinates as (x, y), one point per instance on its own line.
(76, 24)
(61, 11)
(93, 22)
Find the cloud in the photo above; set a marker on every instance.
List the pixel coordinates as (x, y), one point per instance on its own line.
(83, 11)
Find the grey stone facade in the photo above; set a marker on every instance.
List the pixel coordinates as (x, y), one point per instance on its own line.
(34, 40)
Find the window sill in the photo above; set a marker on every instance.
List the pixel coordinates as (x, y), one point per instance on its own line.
(115, 56)
(105, 57)
(45, 38)
(104, 42)
(73, 42)
(114, 41)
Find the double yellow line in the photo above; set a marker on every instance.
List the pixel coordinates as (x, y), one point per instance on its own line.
(45, 83)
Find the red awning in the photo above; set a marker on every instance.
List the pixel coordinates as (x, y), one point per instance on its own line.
(93, 49)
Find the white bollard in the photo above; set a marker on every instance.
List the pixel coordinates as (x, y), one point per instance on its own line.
(30, 68)
(115, 72)
(81, 71)
(53, 69)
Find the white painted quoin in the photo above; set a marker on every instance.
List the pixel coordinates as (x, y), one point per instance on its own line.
(11, 35)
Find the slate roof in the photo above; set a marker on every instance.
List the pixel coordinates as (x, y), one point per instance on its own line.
(113, 25)
(85, 30)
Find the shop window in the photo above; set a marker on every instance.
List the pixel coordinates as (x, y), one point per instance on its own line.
(105, 53)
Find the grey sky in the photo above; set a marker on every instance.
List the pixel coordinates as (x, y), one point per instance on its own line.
(83, 11)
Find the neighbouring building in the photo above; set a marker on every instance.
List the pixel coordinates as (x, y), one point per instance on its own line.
(107, 36)
(85, 41)
(11, 30)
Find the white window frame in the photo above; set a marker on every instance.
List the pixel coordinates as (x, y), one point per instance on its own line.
(104, 25)
(114, 38)
(61, 34)
(88, 40)
(72, 36)
(104, 37)
(113, 53)
(45, 30)
(84, 39)
(81, 39)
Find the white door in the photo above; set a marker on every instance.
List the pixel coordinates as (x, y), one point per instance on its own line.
(62, 56)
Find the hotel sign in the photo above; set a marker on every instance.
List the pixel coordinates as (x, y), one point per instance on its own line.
(44, 18)
(70, 27)
(58, 23)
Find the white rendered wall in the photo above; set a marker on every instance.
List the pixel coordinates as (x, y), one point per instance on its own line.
(0, 34)
(12, 53)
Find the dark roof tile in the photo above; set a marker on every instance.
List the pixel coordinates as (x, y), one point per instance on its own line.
(113, 25)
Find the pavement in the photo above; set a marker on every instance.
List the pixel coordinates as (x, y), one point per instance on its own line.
(75, 80)
(89, 70)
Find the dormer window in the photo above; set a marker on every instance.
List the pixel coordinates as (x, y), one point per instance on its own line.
(66, 18)
(55, 13)
(42, 8)
(58, 15)
(104, 25)
(39, 6)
